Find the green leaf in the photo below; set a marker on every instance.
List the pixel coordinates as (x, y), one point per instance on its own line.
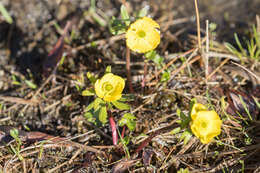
(175, 130)
(5, 14)
(155, 57)
(97, 103)
(150, 55)
(87, 92)
(120, 105)
(143, 12)
(103, 115)
(128, 120)
(14, 133)
(31, 84)
(192, 102)
(89, 116)
(124, 15)
(126, 97)
(91, 77)
(116, 26)
(183, 170)
(185, 120)
(89, 107)
(126, 140)
(108, 69)
(165, 76)
(186, 135)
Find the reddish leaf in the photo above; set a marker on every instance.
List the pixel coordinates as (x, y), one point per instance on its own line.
(147, 156)
(146, 141)
(113, 128)
(256, 91)
(239, 102)
(56, 53)
(122, 166)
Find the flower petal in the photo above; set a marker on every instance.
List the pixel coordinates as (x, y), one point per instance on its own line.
(98, 89)
(196, 108)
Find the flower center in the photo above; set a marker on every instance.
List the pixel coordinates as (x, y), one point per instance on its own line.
(107, 87)
(141, 33)
(204, 124)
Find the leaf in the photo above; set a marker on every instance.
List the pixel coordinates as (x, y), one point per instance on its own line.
(128, 120)
(116, 26)
(175, 130)
(89, 107)
(120, 105)
(89, 116)
(91, 77)
(150, 55)
(143, 12)
(56, 53)
(185, 120)
(108, 69)
(14, 133)
(30, 84)
(242, 103)
(5, 14)
(147, 156)
(165, 76)
(103, 115)
(97, 103)
(122, 166)
(186, 136)
(87, 92)
(183, 170)
(124, 15)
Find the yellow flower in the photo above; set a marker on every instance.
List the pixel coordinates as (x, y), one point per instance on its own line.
(110, 87)
(143, 35)
(205, 124)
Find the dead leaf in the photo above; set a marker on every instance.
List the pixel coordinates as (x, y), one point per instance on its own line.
(122, 166)
(56, 53)
(241, 103)
(147, 156)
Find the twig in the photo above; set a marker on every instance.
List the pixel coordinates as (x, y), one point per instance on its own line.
(128, 70)
(171, 62)
(19, 100)
(250, 72)
(211, 74)
(145, 73)
(175, 72)
(207, 50)
(220, 55)
(198, 22)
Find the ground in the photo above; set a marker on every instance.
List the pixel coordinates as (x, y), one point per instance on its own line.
(43, 99)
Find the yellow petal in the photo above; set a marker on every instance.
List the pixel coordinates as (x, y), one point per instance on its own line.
(196, 108)
(98, 89)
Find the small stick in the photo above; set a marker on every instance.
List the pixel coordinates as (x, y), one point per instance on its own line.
(128, 70)
(171, 62)
(145, 73)
(211, 74)
(207, 51)
(198, 31)
(198, 22)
